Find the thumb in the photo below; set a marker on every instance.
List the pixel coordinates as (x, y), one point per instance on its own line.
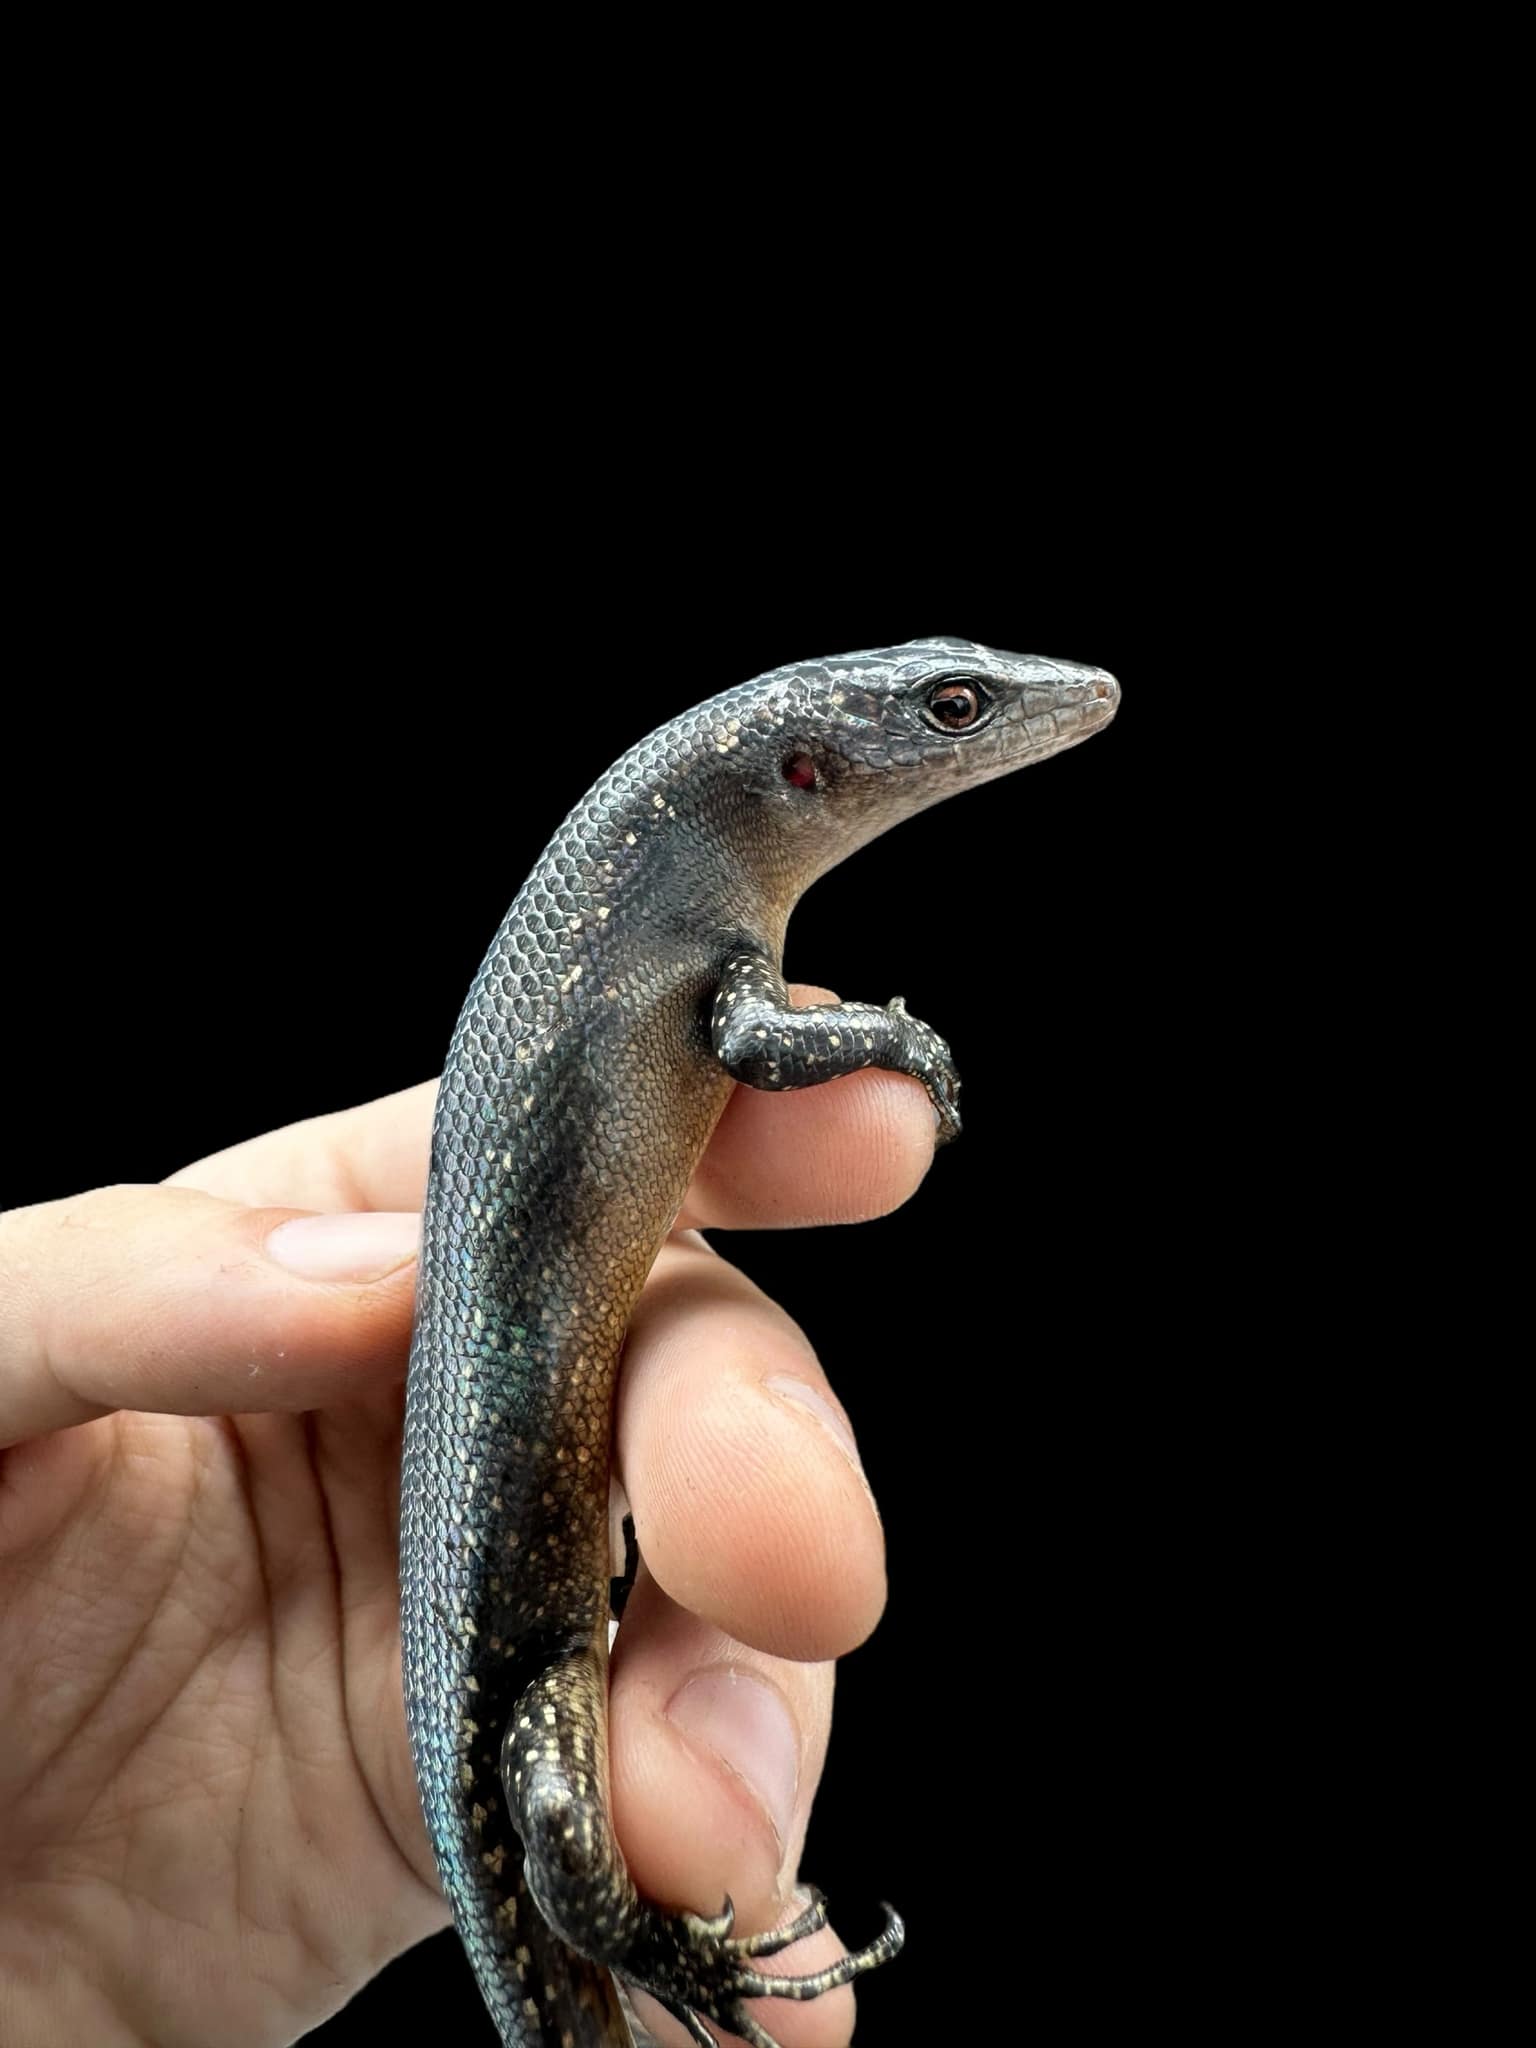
(173, 1301)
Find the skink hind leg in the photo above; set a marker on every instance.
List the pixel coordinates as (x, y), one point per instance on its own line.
(764, 1043)
(554, 1771)
(554, 1767)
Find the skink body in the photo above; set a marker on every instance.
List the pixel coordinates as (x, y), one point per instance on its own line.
(634, 981)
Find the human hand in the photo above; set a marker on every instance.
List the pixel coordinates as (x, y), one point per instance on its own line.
(208, 1823)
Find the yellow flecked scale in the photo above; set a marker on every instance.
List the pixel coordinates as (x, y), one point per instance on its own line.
(635, 979)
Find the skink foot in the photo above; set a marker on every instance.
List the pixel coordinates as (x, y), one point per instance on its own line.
(698, 1971)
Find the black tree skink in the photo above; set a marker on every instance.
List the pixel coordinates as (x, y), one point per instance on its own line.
(634, 980)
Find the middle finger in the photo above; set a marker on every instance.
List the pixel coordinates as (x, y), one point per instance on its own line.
(740, 1465)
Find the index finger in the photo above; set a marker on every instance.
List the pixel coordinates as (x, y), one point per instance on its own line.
(850, 1149)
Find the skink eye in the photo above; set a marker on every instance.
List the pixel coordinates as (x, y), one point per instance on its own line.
(954, 704)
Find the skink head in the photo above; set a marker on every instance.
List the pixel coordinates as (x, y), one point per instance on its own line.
(857, 743)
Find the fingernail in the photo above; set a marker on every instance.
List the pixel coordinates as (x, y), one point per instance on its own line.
(357, 1248)
(832, 1419)
(747, 1725)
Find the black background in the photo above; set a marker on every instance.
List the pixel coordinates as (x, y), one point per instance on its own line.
(308, 720)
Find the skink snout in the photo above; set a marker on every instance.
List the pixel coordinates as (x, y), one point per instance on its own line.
(1103, 696)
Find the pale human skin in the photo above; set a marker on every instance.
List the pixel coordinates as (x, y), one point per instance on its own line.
(208, 1823)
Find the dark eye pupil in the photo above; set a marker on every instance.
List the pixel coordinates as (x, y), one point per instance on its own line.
(955, 704)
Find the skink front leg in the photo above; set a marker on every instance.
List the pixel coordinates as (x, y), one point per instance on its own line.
(764, 1043)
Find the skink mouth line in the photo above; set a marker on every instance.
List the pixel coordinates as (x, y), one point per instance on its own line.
(1044, 749)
